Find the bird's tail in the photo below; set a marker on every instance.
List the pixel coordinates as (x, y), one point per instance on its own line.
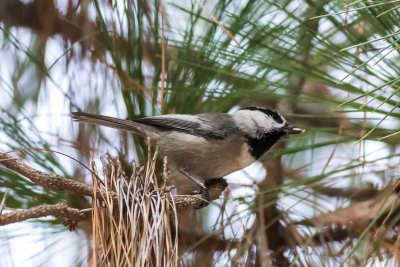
(125, 125)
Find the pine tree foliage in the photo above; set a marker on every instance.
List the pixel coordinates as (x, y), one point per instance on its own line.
(329, 197)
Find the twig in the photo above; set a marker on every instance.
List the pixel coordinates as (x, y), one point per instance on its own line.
(60, 211)
(52, 181)
(3, 201)
(210, 242)
(162, 57)
(217, 22)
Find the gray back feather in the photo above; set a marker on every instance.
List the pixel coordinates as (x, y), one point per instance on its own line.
(207, 125)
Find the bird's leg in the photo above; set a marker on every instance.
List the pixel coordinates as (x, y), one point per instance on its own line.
(203, 189)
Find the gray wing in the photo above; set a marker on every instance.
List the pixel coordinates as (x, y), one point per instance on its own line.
(208, 125)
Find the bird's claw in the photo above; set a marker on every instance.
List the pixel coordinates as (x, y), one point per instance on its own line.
(205, 195)
(204, 191)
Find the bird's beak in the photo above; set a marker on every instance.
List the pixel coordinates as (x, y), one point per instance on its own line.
(291, 129)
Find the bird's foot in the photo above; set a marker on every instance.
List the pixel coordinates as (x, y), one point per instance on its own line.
(204, 190)
(205, 195)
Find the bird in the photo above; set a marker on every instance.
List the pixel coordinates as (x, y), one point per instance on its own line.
(207, 146)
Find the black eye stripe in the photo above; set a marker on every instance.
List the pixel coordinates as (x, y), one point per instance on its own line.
(272, 113)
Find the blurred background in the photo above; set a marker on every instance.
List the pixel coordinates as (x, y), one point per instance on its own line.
(331, 67)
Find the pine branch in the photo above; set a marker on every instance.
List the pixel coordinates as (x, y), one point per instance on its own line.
(57, 182)
(60, 211)
(51, 181)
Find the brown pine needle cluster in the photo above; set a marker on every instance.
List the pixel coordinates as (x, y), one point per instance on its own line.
(135, 221)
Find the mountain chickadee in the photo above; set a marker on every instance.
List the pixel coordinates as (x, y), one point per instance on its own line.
(206, 146)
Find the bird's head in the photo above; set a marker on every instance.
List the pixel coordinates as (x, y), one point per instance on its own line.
(258, 121)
